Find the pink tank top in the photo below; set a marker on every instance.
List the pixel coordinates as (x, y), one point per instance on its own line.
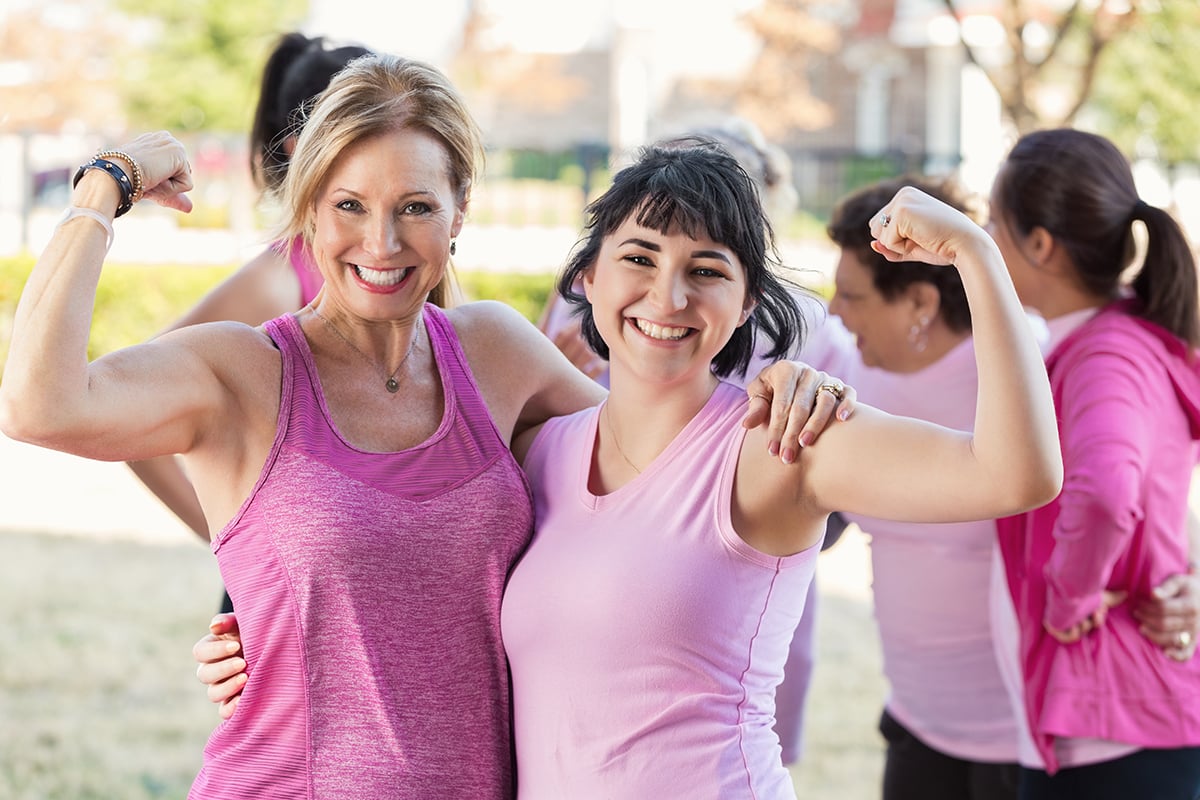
(368, 591)
(645, 638)
(306, 270)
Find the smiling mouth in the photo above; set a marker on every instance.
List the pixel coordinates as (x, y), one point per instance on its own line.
(661, 332)
(381, 277)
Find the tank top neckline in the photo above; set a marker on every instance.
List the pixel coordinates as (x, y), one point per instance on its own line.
(437, 345)
(681, 440)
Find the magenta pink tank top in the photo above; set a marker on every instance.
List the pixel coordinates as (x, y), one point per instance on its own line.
(301, 259)
(368, 591)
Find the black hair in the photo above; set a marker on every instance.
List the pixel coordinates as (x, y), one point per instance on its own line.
(1080, 189)
(698, 187)
(850, 230)
(298, 69)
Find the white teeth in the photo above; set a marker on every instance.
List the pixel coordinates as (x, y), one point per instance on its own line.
(659, 331)
(381, 277)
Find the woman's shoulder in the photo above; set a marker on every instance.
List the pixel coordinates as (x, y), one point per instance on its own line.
(486, 314)
(493, 329)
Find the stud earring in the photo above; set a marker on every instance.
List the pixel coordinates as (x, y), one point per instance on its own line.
(453, 246)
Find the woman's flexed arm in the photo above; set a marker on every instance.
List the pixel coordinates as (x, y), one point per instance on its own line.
(51, 394)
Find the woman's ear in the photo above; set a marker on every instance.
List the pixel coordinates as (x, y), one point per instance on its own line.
(1040, 245)
(926, 300)
(586, 277)
(747, 310)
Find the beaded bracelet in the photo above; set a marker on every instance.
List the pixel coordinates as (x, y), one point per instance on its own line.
(138, 185)
(117, 174)
(90, 213)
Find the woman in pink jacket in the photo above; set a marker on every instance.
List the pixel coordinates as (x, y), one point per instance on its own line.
(1112, 715)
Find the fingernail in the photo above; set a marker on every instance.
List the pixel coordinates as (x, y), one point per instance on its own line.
(806, 438)
(788, 456)
(232, 647)
(773, 448)
(844, 414)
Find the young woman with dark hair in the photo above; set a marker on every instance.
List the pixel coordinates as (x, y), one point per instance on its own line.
(1111, 716)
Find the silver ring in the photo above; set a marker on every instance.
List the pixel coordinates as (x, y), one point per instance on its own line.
(1185, 638)
(884, 220)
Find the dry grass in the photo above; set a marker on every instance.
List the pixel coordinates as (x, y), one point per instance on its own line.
(98, 697)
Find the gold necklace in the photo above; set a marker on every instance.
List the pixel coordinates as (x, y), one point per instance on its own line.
(391, 384)
(617, 441)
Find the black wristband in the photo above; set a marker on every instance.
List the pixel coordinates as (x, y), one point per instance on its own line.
(117, 174)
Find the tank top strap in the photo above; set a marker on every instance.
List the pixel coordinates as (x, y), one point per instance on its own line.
(462, 392)
(302, 397)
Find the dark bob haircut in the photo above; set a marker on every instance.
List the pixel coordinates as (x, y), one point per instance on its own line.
(850, 230)
(696, 186)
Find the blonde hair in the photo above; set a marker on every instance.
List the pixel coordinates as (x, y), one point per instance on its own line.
(376, 94)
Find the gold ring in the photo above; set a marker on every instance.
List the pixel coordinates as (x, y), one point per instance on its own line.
(760, 397)
(836, 389)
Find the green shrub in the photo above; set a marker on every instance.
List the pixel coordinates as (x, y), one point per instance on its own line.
(135, 302)
(526, 293)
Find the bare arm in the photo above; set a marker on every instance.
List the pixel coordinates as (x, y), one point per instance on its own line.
(522, 375)
(1011, 460)
(899, 468)
(51, 395)
(189, 391)
(264, 288)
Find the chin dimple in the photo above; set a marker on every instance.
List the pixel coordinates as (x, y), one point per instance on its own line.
(660, 332)
(381, 277)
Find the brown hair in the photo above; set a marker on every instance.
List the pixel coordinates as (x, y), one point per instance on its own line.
(849, 229)
(1080, 189)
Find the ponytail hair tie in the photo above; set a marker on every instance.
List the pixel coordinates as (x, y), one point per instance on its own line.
(1140, 209)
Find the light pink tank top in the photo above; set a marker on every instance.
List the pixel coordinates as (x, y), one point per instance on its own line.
(368, 591)
(645, 638)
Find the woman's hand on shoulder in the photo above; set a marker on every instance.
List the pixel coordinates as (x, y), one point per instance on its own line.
(796, 403)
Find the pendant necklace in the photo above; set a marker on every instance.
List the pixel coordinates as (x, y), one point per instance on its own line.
(617, 441)
(391, 384)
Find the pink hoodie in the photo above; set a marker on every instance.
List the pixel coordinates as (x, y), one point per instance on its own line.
(1128, 406)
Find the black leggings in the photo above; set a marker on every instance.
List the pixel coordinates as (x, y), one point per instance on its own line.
(1145, 775)
(915, 771)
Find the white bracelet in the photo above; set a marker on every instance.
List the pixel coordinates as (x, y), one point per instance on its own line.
(90, 213)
